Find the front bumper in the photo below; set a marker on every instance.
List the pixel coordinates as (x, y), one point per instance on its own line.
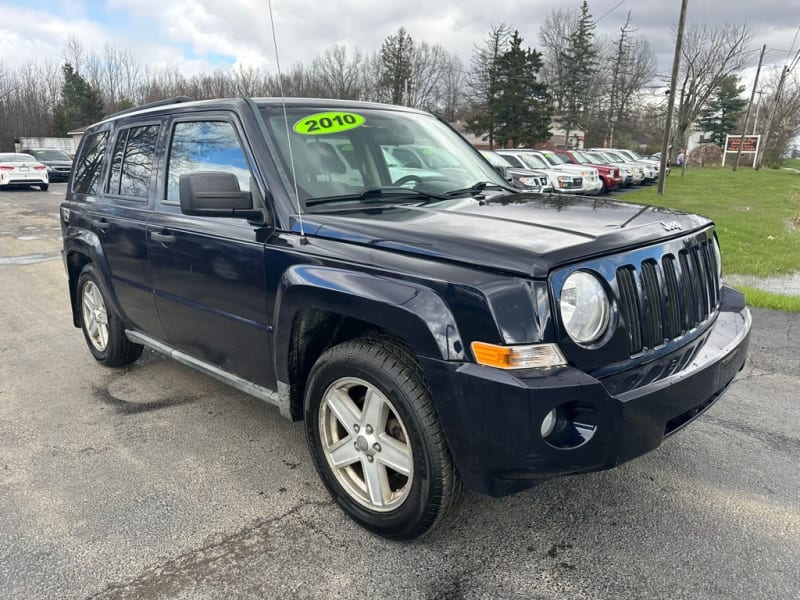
(492, 418)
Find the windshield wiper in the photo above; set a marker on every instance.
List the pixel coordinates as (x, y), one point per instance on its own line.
(381, 194)
(478, 188)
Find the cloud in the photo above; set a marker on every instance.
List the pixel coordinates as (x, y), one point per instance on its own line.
(195, 34)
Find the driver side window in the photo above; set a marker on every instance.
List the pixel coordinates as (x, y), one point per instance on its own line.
(204, 146)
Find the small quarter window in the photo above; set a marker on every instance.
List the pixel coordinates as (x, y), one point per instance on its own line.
(205, 146)
(90, 164)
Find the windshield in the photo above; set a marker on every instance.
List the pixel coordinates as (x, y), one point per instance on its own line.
(581, 157)
(50, 155)
(555, 159)
(532, 161)
(495, 159)
(614, 157)
(595, 158)
(352, 153)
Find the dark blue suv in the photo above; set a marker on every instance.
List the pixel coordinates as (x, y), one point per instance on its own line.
(431, 326)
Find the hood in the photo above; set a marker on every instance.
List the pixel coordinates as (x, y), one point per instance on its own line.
(526, 234)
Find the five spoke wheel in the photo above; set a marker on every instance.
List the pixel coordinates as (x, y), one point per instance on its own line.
(95, 316)
(366, 444)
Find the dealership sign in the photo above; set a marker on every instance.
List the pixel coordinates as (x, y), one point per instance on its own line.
(748, 144)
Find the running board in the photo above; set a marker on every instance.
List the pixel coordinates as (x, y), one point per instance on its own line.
(279, 398)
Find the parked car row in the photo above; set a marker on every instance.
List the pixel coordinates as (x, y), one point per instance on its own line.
(585, 172)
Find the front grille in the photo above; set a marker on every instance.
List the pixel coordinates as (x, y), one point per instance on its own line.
(660, 300)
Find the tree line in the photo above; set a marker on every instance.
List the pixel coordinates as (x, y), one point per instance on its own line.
(510, 92)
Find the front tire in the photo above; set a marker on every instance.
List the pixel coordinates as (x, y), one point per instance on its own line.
(102, 328)
(375, 438)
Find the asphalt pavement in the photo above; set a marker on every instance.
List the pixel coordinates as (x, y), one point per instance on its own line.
(157, 482)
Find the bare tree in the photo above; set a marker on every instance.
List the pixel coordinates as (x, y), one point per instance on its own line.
(554, 35)
(709, 54)
(784, 115)
(428, 64)
(74, 53)
(338, 74)
(634, 66)
(452, 89)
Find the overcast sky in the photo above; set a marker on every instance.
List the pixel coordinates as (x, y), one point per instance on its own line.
(199, 35)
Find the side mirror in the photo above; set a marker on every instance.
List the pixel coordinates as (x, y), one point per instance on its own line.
(215, 194)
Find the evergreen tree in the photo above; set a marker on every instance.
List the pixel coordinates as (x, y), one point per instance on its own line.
(80, 104)
(522, 108)
(721, 115)
(579, 62)
(397, 58)
(483, 82)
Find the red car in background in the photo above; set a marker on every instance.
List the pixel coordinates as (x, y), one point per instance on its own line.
(610, 175)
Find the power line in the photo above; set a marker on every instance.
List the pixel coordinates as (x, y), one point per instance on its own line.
(609, 11)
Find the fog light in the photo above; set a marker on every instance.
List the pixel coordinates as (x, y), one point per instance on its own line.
(548, 423)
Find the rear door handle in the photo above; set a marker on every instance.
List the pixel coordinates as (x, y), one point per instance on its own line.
(164, 238)
(102, 224)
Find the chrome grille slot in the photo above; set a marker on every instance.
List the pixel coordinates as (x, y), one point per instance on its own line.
(629, 308)
(673, 322)
(663, 297)
(653, 323)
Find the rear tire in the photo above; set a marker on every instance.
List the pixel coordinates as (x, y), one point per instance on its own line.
(102, 328)
(375, 438)
(43, 186)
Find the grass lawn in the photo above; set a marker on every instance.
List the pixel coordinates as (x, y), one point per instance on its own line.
(757, 214)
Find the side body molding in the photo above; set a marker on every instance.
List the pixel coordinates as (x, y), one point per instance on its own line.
(410, 311)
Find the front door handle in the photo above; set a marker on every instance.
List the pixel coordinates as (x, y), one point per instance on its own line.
(164, 238)
(102, 224)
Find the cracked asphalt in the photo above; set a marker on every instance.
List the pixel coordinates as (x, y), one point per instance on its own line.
(158, 482)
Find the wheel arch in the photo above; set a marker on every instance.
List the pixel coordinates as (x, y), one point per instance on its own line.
(319, 307)
(80, 250)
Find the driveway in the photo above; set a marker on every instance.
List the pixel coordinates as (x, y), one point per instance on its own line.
(158, 482)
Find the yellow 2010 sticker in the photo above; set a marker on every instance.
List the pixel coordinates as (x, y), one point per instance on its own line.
(327, 122)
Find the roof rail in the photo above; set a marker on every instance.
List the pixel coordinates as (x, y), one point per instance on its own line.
(164, 102)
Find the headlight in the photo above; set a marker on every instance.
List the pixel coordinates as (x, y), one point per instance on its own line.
(564, 180)
(529, 181)
(584, 307)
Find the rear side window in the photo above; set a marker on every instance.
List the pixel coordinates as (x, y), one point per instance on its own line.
(86, 179)
(132, 162)
(205, 146)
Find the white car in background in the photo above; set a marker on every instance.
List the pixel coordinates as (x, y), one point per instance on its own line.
(22, 169)
(649, 168)
(563, 182)
(626, 171)
(530, 180)
(638, 172)
(633, 155)
(592, 184)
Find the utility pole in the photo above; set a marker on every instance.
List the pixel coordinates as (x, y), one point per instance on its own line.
(758, 106)
(775, 108)
(673, 84)
(749, 108)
